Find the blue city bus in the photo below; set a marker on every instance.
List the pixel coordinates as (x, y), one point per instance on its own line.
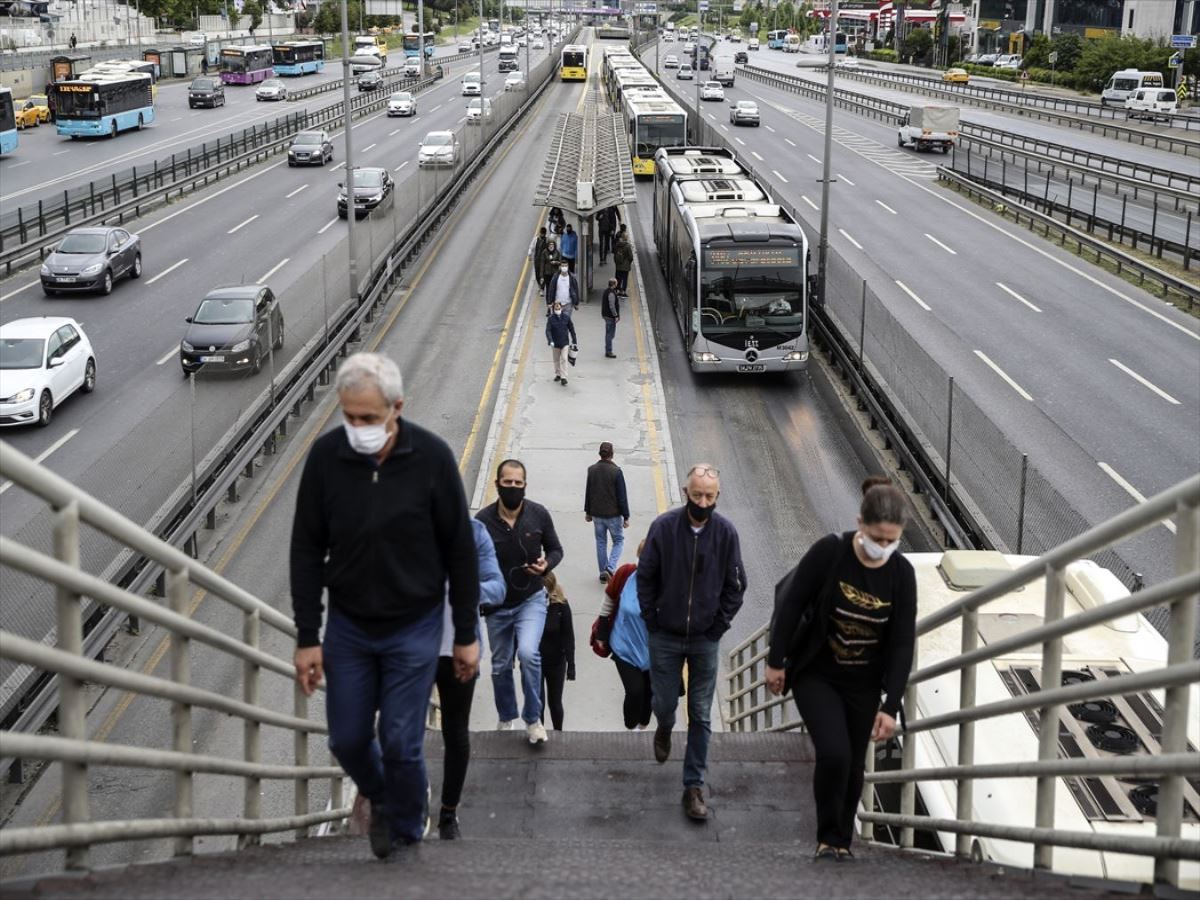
(839, 43)
(412, 44)
(8, 122)
(103, 104)
(776, 39)
(298, 57)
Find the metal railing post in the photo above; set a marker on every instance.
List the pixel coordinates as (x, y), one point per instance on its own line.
(252, 731)
(336, 798)
(300, 755)
(868, 796)
(181, 713)
(1175, 701)
(965, 787)
(1056, 585)
(71, 719)
(908, 760)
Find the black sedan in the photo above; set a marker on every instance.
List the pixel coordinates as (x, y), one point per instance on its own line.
(741, 57)
(372, 190)
(370, 81)
(310, 148)
(233, 328)
(91, 259)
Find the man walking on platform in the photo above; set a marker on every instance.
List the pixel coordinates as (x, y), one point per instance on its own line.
(536, 251)
(623, 259)
(610, 310)
(606, 506)
(569, 246)
(607, 220)
(690, 583)
(563, 288)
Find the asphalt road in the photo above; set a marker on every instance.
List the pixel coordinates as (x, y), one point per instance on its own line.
(1081, 368)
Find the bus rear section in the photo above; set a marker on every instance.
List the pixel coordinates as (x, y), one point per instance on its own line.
(8, 122)
(573, 63)
(413, 41)
(296, 58)
(247, 65)
(103, 104)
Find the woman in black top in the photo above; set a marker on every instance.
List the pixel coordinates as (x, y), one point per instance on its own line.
(843, 635)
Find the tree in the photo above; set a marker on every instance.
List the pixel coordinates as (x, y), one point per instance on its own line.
(1068, 47)
(918, 45)
(1098, 59)
(252, 9)
(1037, 54)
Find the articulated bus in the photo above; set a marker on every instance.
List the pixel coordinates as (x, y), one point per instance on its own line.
(298, 57)
(103, 104)
(246, 65)
(412, 44)
(573, 66)
(776, 39)
(652, 120)
(735, 266)
(8, 122)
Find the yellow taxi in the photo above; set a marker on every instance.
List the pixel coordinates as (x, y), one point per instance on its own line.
(956, 76)
(40, 103)
(27, 116)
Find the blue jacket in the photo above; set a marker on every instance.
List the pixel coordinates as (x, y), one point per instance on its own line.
(690, 584)
(568, 244)
(628, 639)
(560, 330)
(491, 585)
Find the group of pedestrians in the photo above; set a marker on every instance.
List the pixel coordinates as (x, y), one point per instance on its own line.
(382, 528)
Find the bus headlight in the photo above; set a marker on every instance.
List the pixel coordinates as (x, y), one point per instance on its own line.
(796, 356)
(703, 356)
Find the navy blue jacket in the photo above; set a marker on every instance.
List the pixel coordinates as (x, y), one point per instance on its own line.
(689, 583)
(560, 330)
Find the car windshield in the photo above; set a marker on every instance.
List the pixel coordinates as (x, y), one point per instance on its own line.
(713, 85)
(747, 106)
(21, 353)
(437, 140)
(402, 96)
(82, 243)
(225, 311)
(367, 178)
(202, 84)
(307, 139)
(477, 104)
(273, 83)
(470, 77)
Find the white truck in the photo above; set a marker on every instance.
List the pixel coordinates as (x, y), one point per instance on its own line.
(926, 127)
(723, 71)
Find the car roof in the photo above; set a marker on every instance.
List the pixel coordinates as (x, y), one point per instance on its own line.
(93, 229)
(234, 292)
(439, 134)
(35, 326)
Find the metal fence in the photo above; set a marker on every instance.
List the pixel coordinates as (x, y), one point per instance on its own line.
(750, 706)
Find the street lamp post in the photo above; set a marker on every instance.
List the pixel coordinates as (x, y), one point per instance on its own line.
(479, 34)
(421, 34)
(350, 208)
(827, 162)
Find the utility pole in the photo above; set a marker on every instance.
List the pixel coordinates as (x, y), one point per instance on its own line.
(479, 34)
(351, 211)
(827, 162)
(421, 34)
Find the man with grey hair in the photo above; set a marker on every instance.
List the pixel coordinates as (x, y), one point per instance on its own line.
(690, 584)
(381, 523)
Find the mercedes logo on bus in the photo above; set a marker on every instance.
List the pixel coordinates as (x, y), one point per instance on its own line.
(751, 355)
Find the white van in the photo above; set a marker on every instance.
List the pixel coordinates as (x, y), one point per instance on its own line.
(1150, 103)
(1123, 83)
(752, 44)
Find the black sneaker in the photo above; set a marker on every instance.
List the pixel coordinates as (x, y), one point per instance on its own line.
(558, 378)
(448, 829)
(379, 833)
(662, 744)
(604, 576)
(564, 382)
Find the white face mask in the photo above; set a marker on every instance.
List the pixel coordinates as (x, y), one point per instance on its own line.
(368, 439)
(875, 551)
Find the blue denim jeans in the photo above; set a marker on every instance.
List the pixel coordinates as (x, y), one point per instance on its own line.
(393, 676)
(604, 527)
(610, 331)
(668, 652)
(516, 633)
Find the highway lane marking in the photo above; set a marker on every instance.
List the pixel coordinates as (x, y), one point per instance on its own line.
(723, 128)
(41, 457)
(850, 239)
(769, 128)
(176, 119)
(779, 175)
(338, 166)
(23, 162)
(921, 303)
(740, 141)
(241, 225)
(436, 108)
(369, 147)
(275, 268)
(328, 225)
(167, 271)
(790, 141)
(61, 152)
(888, 208)
(393, 133)
(211, 196)
(999, 371)
(303, 187)
(845, 179)
(1015, 295)
(1131, 491)
(168, 356)
(940, 244)
(813, 158)
(403, 164)
(16, 291)
(804, 197)
(1144, 381)
(756, 156)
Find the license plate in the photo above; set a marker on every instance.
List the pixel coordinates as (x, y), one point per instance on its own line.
(752, 367)
(205, 359)
(67, 279)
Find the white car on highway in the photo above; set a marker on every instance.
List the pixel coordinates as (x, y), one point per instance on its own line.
(412, 68)
(472, 85)
(670, 61)
(43, 361)
(478, 109)
(439, 148)
(514, 81)
(402, 103)
(712, 90)
(538, 44)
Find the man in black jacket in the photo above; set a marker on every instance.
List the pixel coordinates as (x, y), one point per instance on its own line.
(382, 523)
(527, 547)
(690, 583)
(606, 506)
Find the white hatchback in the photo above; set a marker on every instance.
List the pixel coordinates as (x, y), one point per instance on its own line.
(712, 90)
(478, 109)
(472, 85)
(43, 361)
(402, 103)
(514, 81)
(439, 148)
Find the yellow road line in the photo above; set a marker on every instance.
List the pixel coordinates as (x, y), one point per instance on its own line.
(656, 460)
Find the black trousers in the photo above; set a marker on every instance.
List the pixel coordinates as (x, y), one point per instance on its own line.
(606, 242)
(455, 698)
(839, 721)
(637, 693)
(554, 677)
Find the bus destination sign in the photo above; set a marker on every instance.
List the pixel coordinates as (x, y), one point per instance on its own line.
(748, 257)
(74, 88)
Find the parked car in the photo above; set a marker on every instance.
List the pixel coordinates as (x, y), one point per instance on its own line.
(272, 89)
(478, 109)
(956, 76)
(1152, 103)
(309, 148)
(987, 59)
(1009, 61)
(91, 259)
(370, 81)
(233, 328)
(744, 112)
(670, 61)
(685, 73)
(514, 81)
(741, 58)
(439, 148)
(206, 91)
(372, 190)
(43, 361)
(712, 90)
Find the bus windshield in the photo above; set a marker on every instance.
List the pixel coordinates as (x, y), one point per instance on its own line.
(746, 288)
(76, 101)
(8, 118)
(659, 131)
(573, 58)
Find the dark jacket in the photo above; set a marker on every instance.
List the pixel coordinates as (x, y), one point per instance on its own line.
(604, 496)
(610, 304)
(552, 288)
(539, 251)
(384, 539)
(623, 256)
(607, 219)
(560, 330)
(801, 622)
(533, 536)
(548, 262)
(690, 583)
(558, 637)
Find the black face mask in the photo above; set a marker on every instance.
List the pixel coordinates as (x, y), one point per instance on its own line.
(511, 497)
(699, 513)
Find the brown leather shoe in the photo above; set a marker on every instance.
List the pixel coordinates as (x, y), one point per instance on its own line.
(693, 804)
(662, 744)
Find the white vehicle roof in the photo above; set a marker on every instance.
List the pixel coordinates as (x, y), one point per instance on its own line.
(35, 327)
(440, 135)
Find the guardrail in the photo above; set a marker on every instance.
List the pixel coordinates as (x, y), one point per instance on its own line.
(750, 707)
(191, 506)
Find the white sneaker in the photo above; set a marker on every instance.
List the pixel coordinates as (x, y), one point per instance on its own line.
(536, 732)
(505, 724)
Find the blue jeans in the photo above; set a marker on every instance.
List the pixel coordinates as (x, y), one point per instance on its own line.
(394, 676)
(668, 652)
(517, 633)
(610, 331)
(605, 527)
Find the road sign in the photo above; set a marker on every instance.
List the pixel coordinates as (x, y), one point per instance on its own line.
(1181, 92)
(1024, 74)
(1183, 41)
(702, 5)
(1053, 57)
(1175, 61)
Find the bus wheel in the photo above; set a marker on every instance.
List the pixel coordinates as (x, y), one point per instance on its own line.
(112, 131)
(140, 122)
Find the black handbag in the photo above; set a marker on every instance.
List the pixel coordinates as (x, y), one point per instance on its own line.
(812, 624)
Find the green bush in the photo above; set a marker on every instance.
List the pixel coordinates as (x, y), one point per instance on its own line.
(989, 71)
(883, 55)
